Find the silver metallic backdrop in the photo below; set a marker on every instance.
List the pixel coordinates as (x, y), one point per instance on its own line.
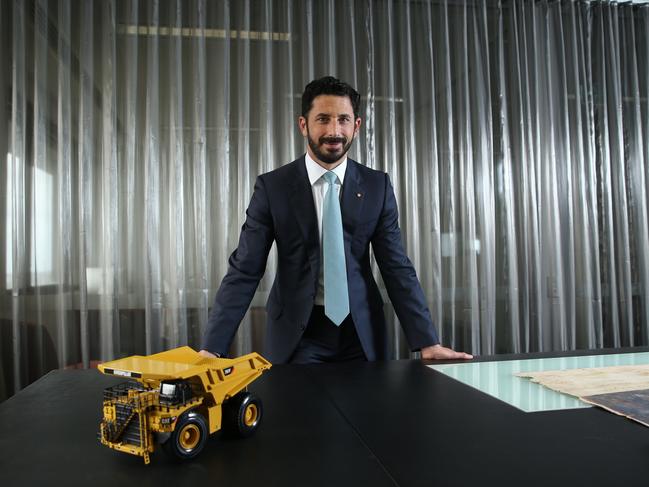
(516, 134)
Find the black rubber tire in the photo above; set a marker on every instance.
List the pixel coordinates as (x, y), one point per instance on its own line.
(188, 438)
(242, 414)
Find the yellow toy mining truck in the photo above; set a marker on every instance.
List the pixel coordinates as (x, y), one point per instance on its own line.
(178, 398)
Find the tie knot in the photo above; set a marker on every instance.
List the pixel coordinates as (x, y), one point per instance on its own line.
(330, 177)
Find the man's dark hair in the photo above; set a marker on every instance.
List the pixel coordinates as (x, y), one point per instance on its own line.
(329, 85)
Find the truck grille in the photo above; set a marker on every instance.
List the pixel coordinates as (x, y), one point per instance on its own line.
(126, 427)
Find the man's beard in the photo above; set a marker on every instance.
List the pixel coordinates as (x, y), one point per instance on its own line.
(325, 156)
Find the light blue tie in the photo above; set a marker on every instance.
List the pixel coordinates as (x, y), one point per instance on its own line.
(335, 272)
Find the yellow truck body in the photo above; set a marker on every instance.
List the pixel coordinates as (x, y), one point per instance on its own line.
(177, 398)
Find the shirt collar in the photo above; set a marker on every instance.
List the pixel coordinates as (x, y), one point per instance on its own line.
(316, 171)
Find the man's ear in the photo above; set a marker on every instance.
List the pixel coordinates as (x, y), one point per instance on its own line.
(357, 126)
(302, 125)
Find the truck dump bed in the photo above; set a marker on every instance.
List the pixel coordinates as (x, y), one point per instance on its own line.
(220, 376)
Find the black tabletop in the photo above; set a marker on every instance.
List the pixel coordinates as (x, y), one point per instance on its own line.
(387, 423)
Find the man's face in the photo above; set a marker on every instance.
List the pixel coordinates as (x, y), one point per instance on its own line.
(329, 129)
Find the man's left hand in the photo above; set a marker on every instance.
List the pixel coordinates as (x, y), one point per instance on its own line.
(437, 352)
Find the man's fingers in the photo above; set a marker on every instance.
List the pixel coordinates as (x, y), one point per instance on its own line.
(463, 355)
(438, 352)
(205, 353)
(449, 354)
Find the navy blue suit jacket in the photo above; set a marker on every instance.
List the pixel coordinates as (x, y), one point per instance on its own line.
(282, 210)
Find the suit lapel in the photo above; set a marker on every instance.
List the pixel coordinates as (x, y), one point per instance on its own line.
(352, 199)
(301, 197)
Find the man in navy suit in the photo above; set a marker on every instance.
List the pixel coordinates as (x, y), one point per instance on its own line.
(287, 208)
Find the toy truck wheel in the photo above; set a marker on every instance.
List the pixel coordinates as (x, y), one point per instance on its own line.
(243, 414)
(189, 437)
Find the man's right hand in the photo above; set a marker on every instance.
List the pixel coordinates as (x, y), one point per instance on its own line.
(206, 354)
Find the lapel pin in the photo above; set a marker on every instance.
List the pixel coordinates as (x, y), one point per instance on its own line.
(358, 195)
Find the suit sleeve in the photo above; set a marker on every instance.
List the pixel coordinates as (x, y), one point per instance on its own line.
(246, 267)
(400, 277)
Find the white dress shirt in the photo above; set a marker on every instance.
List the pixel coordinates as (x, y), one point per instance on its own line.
(319, 188)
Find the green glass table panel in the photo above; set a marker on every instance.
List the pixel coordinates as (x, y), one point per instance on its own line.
(498, 378)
